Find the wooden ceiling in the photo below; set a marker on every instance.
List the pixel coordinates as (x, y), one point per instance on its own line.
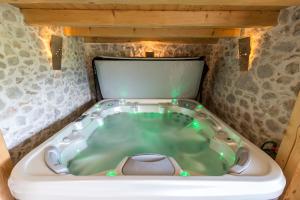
(165, 20)
(140, 4)
(143, 6)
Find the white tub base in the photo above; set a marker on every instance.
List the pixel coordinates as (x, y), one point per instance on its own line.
(31, 179)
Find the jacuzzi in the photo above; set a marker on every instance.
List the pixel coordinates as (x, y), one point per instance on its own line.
(127, 148)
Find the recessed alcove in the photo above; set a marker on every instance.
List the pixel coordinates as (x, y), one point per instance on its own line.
(251, 53)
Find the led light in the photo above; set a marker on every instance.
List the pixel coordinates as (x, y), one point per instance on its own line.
(196, 125)
(111, 173)
(221, 155)
(98, 107)
(174, 101)
(184, 173)
(200, 107)
(100, 122)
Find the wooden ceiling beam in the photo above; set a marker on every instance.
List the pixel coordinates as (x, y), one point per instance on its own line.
(152, 32)
(78, 6)
(168, 2)
(173, 40)
(152, 19)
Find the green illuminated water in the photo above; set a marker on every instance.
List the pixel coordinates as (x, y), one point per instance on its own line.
(128, 134)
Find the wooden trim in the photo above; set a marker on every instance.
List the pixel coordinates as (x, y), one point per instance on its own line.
(66, 6)
(290, 136)
(289, 155)
(293, 158)
(151, 32)
(5, 169)
(292, 172)
(169, 2)
(173, 40)
(149, 19)
(293, 190)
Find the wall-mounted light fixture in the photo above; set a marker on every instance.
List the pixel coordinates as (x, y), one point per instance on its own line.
(56, 50)
(149, 54)
(244, 53)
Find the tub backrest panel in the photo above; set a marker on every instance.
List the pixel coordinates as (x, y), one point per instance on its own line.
(149, 78)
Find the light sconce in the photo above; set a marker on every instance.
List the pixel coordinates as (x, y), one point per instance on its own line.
(56, 51)
(149, 54)
(244, 53)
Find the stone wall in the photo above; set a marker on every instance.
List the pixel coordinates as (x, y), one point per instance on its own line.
(30, 143)
(32, 95)
(257, 102)
(138, 49)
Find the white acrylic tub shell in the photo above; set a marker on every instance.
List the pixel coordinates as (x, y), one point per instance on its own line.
(31, 179)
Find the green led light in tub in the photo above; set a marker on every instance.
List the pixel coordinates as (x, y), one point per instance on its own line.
(98, 107)
(222, 155)
(184, 173)
(200, 107)
(196, 125)
(111, 173)
(174, 101)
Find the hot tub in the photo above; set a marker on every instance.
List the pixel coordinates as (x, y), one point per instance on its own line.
(147, 149)
(147, 140)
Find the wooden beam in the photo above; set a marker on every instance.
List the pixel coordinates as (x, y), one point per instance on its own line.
(169, 2)
(70, 6)
(290, 136)
(289, 155)
(152, 19)
(5, 169)
(293, 158)
(292, 171)
(151, 32)
(293, 190)
(173, 40)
